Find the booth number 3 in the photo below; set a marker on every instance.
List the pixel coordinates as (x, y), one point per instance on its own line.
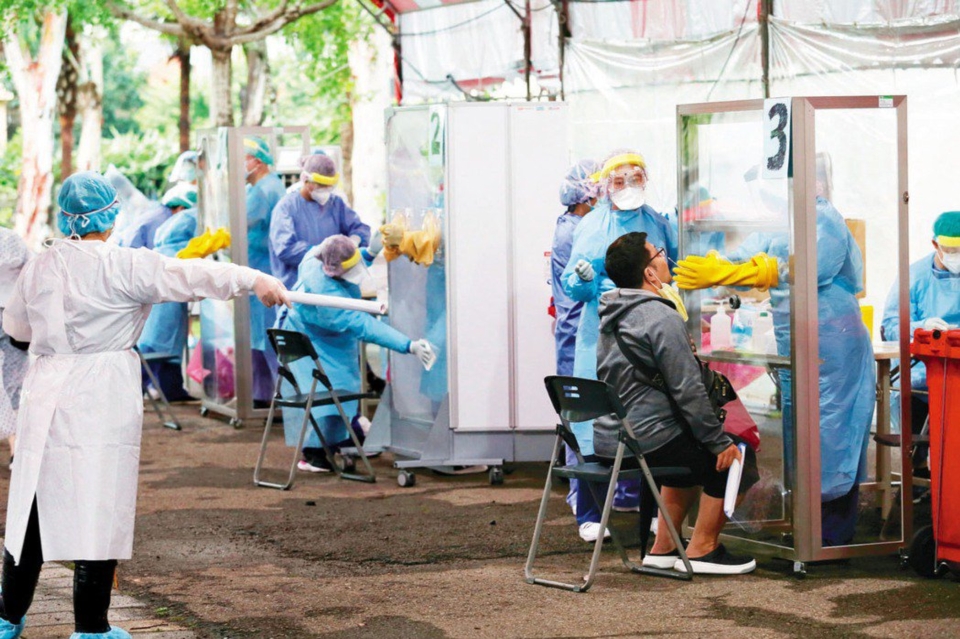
(776, 138)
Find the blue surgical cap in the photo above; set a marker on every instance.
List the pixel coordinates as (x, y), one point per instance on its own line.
(577, 187)
(256, 147)
(88, 204)
(182, 194)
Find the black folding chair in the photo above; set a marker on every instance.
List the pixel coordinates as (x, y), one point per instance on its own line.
(290, 347)
(161, 358)
(580, 400)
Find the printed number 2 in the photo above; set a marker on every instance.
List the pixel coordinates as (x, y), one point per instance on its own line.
(775, 161)
(435, 148)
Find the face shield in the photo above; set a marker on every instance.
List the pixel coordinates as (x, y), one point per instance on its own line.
(360, 275)
(626, 186)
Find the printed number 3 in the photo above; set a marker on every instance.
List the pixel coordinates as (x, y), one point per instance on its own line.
(775, 161)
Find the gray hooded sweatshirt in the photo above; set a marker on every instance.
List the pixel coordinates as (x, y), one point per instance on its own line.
(655, 332)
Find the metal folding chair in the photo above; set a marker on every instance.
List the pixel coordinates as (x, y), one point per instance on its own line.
(290, 347)
(580, 400)
(145, 360)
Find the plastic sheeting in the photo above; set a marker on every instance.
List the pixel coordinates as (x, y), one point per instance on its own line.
(658, 20)
(865, 12)
(624, 95)
(479, 45)
(819, 60)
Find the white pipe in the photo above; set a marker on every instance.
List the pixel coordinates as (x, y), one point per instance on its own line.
(333, 301)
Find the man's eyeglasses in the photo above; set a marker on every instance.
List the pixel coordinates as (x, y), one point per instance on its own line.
(660, 252)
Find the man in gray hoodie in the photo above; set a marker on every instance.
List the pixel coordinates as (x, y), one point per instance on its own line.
(672, 417)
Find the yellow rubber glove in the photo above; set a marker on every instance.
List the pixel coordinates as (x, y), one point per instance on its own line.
(420, 246)
(696, 272)
(205, 244)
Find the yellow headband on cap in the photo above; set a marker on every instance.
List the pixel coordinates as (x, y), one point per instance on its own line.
(949, 242)
(350, 263)
(325, 180)
(250, 144)
(616, 161)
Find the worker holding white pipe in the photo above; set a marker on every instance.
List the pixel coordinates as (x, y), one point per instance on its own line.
(336, 268)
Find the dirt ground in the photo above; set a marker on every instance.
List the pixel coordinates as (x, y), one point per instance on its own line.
(444, 559)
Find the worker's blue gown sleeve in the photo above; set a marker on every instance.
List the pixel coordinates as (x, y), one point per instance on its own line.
(847, 370)
(590, 241)
(166, 328)
(142, 231)
(297, 225)
(933, 292)
(335, 334)
(568, 310)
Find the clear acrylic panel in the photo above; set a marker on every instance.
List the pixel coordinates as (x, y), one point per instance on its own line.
(418, 297)
(857, 173)
(217, 340)
(728, 207)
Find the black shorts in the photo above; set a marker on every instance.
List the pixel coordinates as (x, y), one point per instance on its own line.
(685, 452)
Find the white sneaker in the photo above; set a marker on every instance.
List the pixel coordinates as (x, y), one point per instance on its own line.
(590, 530)
(307, 467)
(718, 562)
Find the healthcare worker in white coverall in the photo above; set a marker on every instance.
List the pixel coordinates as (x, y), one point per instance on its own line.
(81, 305)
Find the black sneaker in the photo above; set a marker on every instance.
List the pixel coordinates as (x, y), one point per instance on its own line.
(718, 562)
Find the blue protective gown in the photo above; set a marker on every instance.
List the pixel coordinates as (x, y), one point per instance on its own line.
(848, 375)
(298, 225)
(166, 328)
(335, 334)
(568, 310)
(934, 292)
(590, 241)
(262, 197)
(141, 232)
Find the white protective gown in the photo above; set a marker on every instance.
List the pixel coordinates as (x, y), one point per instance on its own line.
(82, 305)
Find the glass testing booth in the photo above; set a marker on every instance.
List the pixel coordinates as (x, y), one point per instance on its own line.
(221, 342)
(487, 174)
(820, 183)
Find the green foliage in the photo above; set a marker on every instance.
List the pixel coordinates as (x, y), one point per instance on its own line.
(9, 176)
(323, 41)
(145, 158)
(122, 86)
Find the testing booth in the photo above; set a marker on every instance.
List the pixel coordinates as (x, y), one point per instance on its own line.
(220, 362)
(765, 175)
(487, 174)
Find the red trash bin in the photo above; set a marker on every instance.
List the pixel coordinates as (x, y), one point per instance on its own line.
(940, 352)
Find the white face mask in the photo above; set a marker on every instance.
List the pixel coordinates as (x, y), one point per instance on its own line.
(628, 199)
(320, 196)
(671, 293)
(951, 261)
(360, 276)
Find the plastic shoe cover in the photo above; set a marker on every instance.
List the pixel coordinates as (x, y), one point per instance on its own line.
(10, 630)
(114, 633)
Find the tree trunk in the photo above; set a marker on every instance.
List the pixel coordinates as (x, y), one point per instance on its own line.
(255, 93)
(91, 104)
(183, 56)
(36, 83)
(346, 147)
(67, 98)
(221, 106)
